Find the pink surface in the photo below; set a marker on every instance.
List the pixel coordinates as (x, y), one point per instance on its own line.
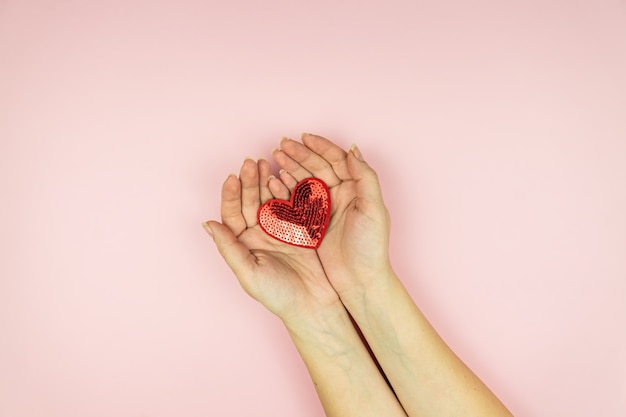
(498, 131)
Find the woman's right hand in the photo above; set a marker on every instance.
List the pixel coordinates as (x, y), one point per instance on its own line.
(354, 252)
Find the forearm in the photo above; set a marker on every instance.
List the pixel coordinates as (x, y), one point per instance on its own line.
(347, 381)
(427, 377)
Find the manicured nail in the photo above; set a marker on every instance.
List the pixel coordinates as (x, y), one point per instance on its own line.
(356, 152)
(208, 229)
(271, 177)
(248, 160)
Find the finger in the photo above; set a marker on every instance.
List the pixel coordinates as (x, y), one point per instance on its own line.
(235, 253)
(250, 200)
(265, 170)
(288, 179)
(279, 189)
(311, 161)
(232, 217)
(332, 153)
(288, 164)
(367, 184)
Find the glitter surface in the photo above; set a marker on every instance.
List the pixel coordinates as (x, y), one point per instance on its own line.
(303, 220)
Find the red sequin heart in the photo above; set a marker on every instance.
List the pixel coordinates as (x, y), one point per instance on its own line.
(303, 220)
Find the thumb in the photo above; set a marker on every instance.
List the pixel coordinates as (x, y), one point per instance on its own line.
(367, 184)
(235, 253)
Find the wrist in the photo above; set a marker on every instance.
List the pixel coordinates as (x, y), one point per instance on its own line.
(323, 319)
(368, 287)
(329, 331)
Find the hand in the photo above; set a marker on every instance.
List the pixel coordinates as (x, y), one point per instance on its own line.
(354, 252)
(288, 280)
(291, 282)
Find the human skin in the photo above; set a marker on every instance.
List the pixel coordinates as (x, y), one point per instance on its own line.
(291, 283)
(426, 375)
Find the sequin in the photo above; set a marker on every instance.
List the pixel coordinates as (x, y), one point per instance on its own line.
(303, 220)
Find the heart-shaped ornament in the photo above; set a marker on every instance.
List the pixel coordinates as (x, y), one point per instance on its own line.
(303, 220)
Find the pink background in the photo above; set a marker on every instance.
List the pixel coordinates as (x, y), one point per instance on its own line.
(498, 130)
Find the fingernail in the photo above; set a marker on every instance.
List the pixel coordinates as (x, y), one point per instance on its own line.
(356, 152)
(281, 172)
(230, 178)
(271, 177)
(208, 229)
